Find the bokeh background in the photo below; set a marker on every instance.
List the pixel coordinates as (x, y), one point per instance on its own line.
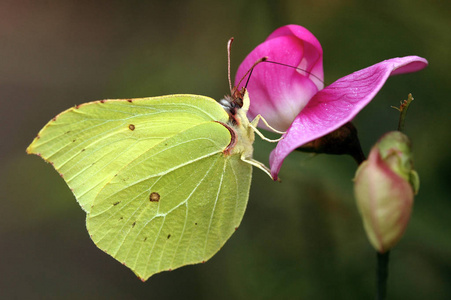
(300, 239)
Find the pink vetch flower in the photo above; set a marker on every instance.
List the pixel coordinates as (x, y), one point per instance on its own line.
(296, 101)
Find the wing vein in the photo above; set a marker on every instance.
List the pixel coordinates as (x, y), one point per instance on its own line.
(214, 206)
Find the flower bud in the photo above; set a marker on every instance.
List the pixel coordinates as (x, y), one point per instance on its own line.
(384, 188)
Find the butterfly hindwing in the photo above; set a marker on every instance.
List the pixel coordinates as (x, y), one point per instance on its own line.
(201, 200)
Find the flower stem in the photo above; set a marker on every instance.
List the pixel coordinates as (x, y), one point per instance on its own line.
(382, 275)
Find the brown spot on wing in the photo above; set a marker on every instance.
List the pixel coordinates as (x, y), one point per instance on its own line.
(154, 197)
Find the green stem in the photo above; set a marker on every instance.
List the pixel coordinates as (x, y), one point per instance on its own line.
(382, 275)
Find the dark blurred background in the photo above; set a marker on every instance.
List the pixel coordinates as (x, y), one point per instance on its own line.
(299, 239)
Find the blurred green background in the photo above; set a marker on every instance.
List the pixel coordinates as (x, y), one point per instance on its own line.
(300, 239)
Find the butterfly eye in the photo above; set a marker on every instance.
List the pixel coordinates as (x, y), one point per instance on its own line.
(226, 104)
(229, 104)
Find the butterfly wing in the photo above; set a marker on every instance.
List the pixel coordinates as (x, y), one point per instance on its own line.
(90, 143)
(152, 175)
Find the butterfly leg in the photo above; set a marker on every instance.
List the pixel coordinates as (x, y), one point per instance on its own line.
(254, 124)
(257, 164)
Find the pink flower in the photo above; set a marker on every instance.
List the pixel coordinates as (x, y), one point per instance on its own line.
(296, 102)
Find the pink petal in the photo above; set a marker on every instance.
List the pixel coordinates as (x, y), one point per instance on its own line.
(313, 52)
(277, 92)
(339, 103)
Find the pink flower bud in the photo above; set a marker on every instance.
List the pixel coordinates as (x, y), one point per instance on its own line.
(384, 188)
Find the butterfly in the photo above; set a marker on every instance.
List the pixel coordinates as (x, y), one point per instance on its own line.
(164, 181)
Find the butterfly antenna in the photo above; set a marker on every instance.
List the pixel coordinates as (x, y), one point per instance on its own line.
(248, 78)
(300, 69)
(250, 70)
(229, 50)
